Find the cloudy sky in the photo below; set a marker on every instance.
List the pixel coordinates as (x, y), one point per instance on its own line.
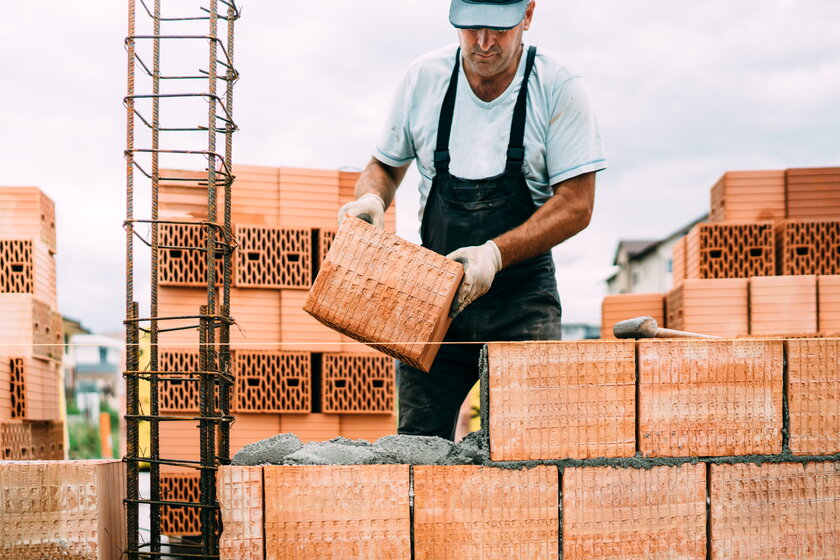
(684, 91)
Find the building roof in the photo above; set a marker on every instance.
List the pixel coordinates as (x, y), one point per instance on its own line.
(634, 247)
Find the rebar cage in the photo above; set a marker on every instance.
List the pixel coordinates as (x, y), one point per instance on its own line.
(163, 102)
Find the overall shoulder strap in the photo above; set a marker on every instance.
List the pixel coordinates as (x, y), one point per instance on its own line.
(516, 147)
(445, 123)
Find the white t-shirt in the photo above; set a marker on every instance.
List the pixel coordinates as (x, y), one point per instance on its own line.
(562, 138)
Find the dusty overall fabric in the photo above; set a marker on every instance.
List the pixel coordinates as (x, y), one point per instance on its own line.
(522, 303)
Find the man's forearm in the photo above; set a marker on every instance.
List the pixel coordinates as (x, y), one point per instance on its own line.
(381, 180)
(564, 215)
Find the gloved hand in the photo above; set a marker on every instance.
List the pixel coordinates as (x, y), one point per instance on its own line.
(370, 208)
(481, 263)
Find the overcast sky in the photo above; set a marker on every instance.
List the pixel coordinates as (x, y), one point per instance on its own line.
(684, 92)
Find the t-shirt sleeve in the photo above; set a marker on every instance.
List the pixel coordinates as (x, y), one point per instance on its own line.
(394, 146)
(574, 144)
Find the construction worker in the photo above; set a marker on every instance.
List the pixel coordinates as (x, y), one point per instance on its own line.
(507, 146)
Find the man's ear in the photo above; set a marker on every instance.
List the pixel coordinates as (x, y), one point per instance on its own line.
(529, 13)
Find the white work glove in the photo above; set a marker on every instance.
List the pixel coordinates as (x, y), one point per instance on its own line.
(370, 208)
(481, 263)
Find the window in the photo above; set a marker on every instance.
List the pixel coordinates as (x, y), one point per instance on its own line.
(669, 266)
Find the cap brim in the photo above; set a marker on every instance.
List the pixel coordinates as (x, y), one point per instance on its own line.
(465, 14)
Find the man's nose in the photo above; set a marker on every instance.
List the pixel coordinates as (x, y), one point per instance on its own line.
(486, 39)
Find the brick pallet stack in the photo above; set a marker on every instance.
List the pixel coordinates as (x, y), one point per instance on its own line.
(768, 262)
(689, 449)
(292, 373)
(31, 344)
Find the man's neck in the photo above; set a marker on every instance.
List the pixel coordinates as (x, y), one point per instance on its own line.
(489, 88)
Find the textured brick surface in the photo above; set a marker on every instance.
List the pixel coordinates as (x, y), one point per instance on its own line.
(701, 398)
(28, 327)
(273, 257)
(782, 511)
(828, 297)
(678, 262)
(41, 389)
(714, 307)
(783, 305)
(357, 383)
(316, 426)
(325, 239)
(808, 246)
(308, 197)
(181, 302)
(182, 195)
(813, 193)
(7, 389)
(372, 282)
(273, 381)
(731, 250)
(183, 258)
(634, 514)
(748, 196)
(553, 400)
(27, 213)
(179, 520)
(299, 331)
(16, 368)
(369, 427)
(240, 491)
(48, 440)
(814, 395)
(178, 395)
(348, 512)
(485, 513)
(256, 196)
(62, 509)
(16, 441)
(619, 307)
(27, 267)
(258, 319)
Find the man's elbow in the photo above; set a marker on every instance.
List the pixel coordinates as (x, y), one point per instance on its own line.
(581, 217)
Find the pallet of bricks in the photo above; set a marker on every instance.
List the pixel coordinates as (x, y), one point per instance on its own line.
(767, 262)
(31, 344)
(596, 450)
(292, 373)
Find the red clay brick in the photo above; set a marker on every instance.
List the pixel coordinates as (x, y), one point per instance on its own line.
(27, 213)
(176, 396)
(16, 382)
(700, 398)
(48, 440)
(322, 247)
(713, 307)
(553, 400)
(8, 387)
(258, 319)
(358, 295)
(62, 509)
(179, 520)
(321, 427)
(256, 196)
(369, 427)
(678, 262)
(483, 512)
(619, 307)
(813, 193)
(182, 302)
(783, 305)
(183, 260)
(808, 246)
(784, 511)
(828, 299)
(182, 195)
(353, 383)
(731, 250)
(27, 267)
(634, 514)
(813, 389)
(16, 441)
(308, 198)
(348, 512)
(28, 327)
(299, 331)
(240, 495)
(273, 257)
(269, 381)
(749, 196)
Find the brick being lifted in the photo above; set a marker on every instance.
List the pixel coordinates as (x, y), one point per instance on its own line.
(386, 292)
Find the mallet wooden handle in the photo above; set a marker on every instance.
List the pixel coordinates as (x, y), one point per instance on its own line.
(646, 327)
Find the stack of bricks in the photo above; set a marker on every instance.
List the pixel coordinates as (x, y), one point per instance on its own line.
(768, 262)
(62, 509)
(597, 450)
(292, 373)
(30, 328)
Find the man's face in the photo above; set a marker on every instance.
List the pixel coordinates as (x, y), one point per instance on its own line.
(488, 52)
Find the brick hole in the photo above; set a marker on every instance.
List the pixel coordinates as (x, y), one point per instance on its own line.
(293, 257)
(17, 267)
(340, 383)
(292, 382)
(715, 254)
(756, 252)
(253, 256)
(252, 382)
(377, 383)
(802, 251)
(176, 253)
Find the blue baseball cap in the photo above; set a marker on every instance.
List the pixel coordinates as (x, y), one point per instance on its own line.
(487, 14)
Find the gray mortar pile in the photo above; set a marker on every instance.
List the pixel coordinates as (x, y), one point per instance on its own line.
(474, 449)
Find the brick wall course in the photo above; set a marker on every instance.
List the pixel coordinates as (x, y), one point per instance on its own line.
(357, 383)
(731, 250)
(619, 307)
(554, 400)
(828, 301)
(273, 257)
(710, 398)
(749, 196)
(813, 389)
(808, 246)
(718, 307)
(268, 381)
(782, 305)
(240, 495)
(813, 193)
(355, 294)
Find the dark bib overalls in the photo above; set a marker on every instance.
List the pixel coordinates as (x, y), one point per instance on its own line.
(522, 303)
